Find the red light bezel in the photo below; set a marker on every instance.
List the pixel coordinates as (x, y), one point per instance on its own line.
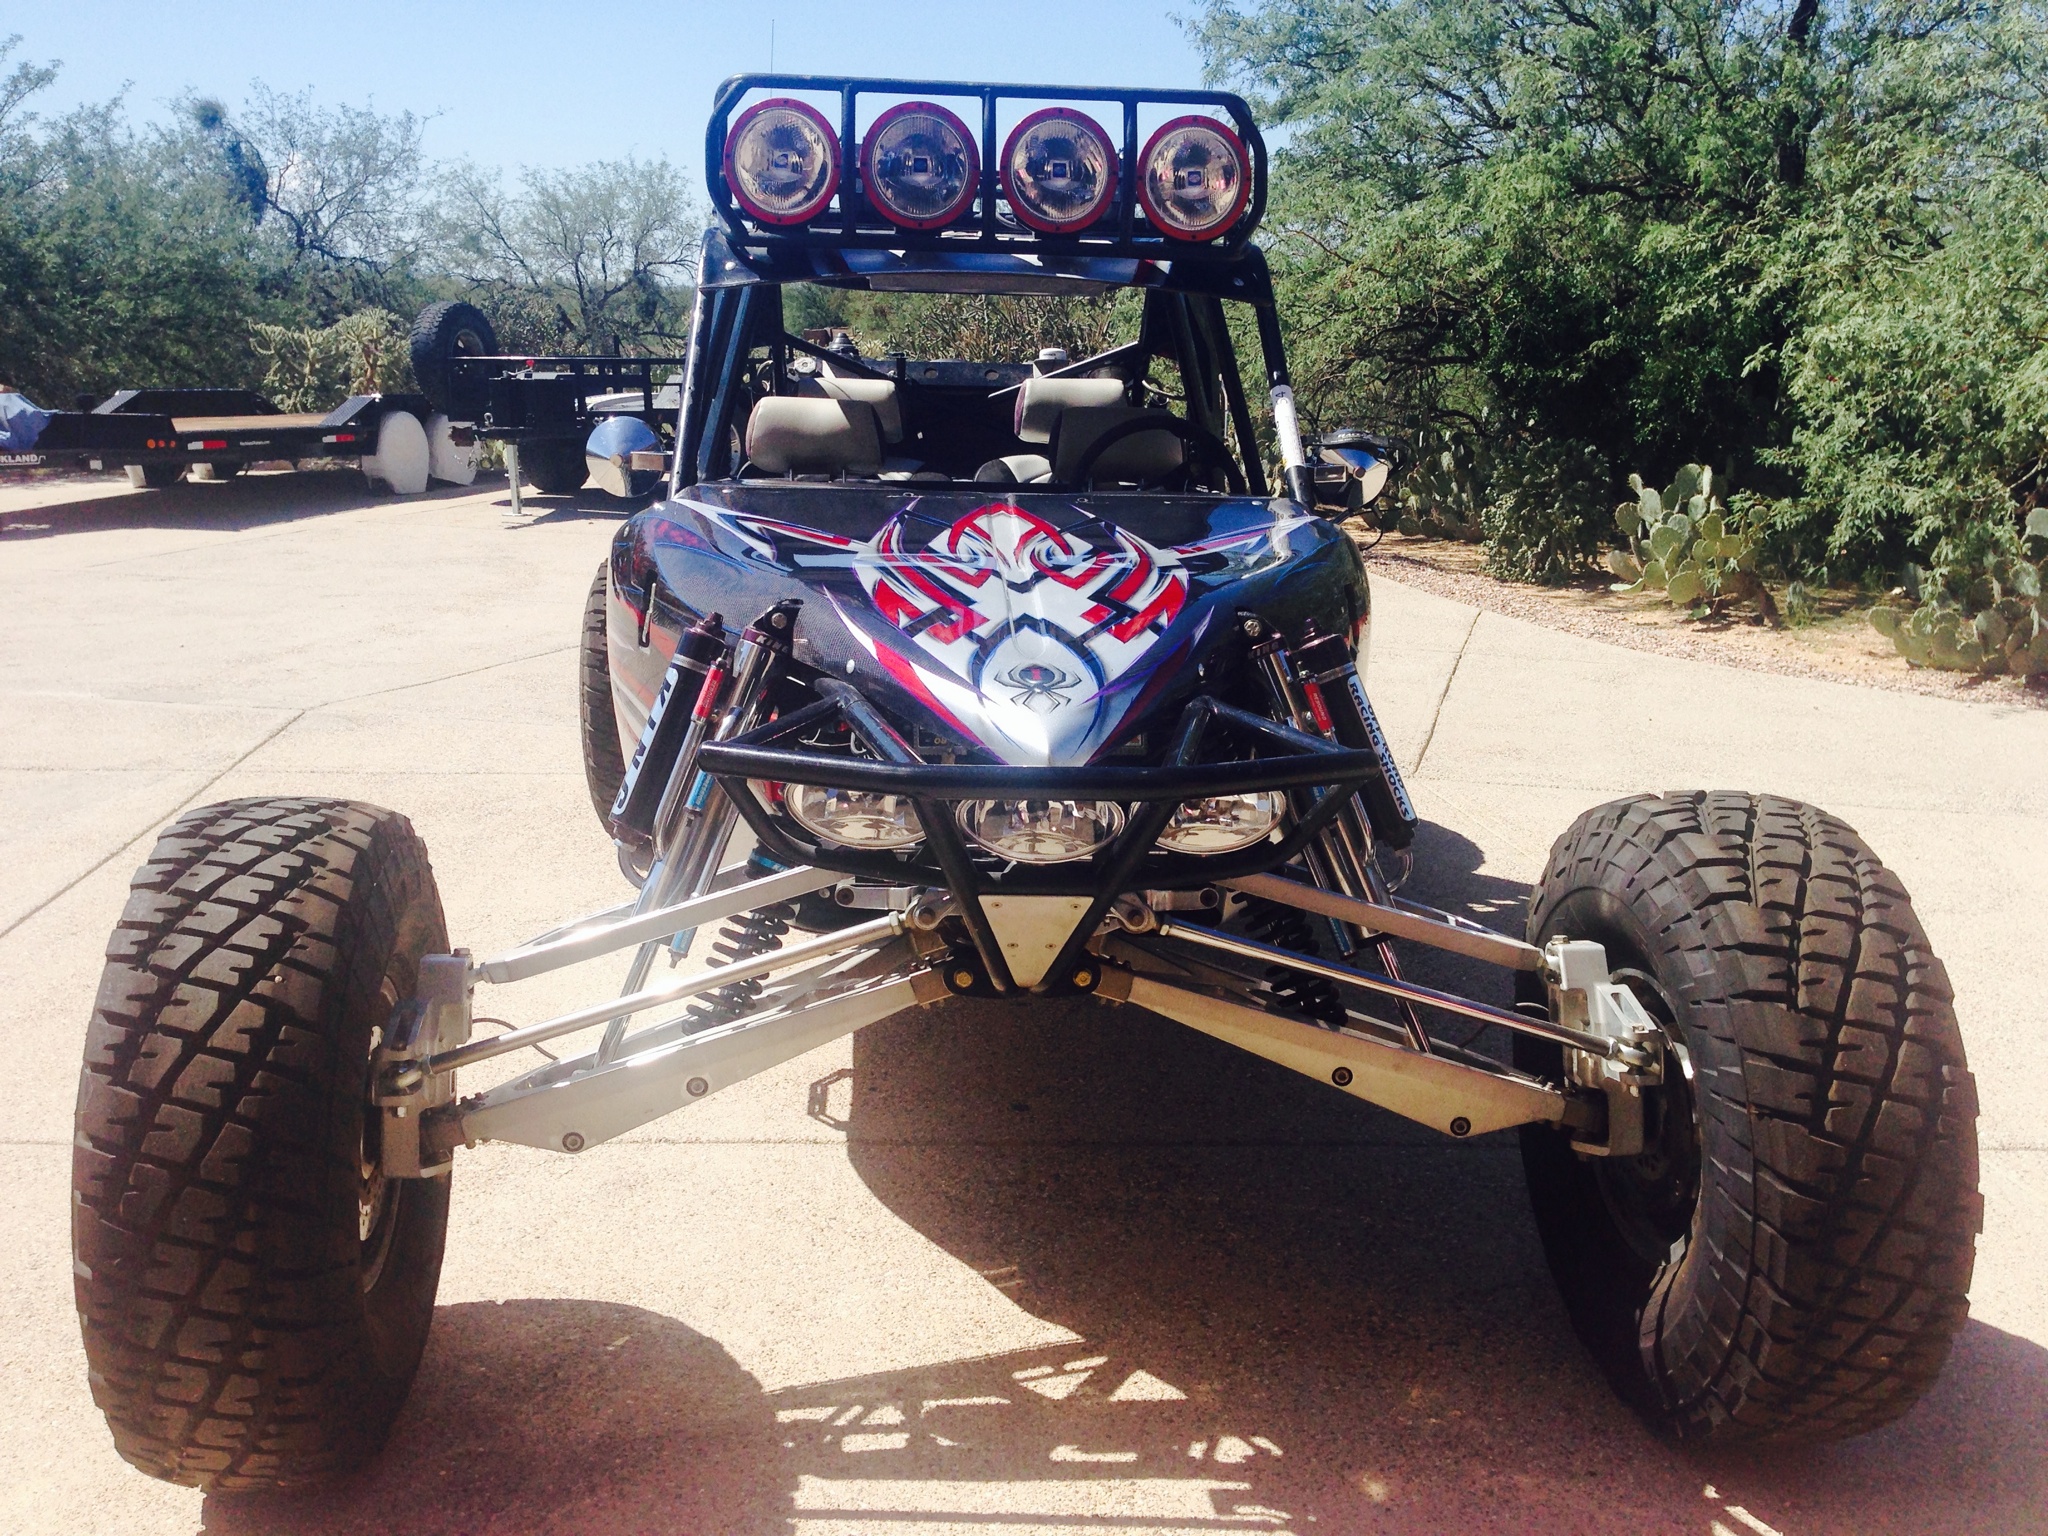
(972, 186)
(833, 149)
(1060, 226)
(1244, 181)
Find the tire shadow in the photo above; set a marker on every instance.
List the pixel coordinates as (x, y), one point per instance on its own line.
(554, 1415)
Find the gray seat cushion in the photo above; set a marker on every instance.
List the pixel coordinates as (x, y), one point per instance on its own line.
(1040, 401)
(791, 435)
(1015, 469)
(1141, 456)
(880, 393)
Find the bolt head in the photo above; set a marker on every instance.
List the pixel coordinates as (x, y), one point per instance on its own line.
(963, 979)
(1341, 1077)
(572, 1141)
(1461, 1126)
(696, 1087)
(1084, 978)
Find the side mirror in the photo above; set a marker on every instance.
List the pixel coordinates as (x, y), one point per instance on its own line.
(1352, 468)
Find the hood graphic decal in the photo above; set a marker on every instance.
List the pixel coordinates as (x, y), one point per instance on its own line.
(1034, 639)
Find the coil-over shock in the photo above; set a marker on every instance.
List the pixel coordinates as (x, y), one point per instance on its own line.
(1290, 929)
(741, 938)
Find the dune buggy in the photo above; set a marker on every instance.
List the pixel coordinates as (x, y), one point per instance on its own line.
(1016, 676)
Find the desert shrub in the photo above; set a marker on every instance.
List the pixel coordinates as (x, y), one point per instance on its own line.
(310, 367)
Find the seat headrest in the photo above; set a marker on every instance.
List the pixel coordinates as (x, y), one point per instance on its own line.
(1141, 456)
(1040, 401)
(880, 393)
(787, 434)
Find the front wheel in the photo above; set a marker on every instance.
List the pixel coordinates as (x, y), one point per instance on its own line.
(604, 761)
(1790, 1255)
(254, 1294)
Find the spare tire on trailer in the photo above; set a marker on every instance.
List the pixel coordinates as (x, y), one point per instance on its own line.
(254, 1293)
(443, 332)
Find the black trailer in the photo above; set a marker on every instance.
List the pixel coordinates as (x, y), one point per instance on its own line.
(544, 411)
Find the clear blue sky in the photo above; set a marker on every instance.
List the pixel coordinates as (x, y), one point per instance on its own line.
(522, 83)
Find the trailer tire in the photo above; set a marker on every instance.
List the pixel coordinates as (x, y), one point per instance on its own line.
(254, 1302)
(1790, 1258)
(441, 333)
(155, 477)
(604, 761)
(554, 469)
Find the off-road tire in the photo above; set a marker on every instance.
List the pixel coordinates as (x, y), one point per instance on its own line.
(241, 1330)
(604, 763)
(554, 469)
(1818, 1274)
(441, 333)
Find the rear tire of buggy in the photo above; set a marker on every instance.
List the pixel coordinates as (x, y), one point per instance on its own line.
(554, 469)
(604, 760)
(254, 1297)
(1790, 1257)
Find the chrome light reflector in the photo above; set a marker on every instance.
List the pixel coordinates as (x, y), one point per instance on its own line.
(1223, 824)
(1040, 831)
(1059, 171)
(853, 818)
(782, 161)
(1195, 178)
(920, 166)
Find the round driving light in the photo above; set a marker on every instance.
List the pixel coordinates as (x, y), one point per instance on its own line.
(1196, 178)
(1040, 831)
(853, 818)
(1224, 824)
(1059, 171)
(782, 161)
(920, 166)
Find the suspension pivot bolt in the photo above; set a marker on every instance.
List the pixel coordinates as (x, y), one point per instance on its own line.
(1341, 1077)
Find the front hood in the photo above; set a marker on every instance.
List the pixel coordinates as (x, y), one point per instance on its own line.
(1039, 627)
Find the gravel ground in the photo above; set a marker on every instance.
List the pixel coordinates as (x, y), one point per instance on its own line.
(1838, 651)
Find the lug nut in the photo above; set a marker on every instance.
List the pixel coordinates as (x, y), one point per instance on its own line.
(1341, 1077)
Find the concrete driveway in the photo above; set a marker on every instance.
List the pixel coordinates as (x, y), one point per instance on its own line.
(980, 1270)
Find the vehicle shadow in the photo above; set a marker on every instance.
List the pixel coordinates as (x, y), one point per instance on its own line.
(260, 500)
(1289, 1312)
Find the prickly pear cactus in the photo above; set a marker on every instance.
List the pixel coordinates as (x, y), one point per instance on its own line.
(1684, 542)
(1999, 624)
(1447, 487)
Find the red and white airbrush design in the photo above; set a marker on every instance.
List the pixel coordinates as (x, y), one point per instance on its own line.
(1031, 627)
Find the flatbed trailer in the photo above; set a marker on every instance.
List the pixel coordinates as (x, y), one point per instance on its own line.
(157, 435)
(542, 409)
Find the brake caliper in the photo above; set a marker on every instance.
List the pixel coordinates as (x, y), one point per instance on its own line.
(1583, 996)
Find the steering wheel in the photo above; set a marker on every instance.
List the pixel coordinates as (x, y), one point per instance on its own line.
(1203, 447)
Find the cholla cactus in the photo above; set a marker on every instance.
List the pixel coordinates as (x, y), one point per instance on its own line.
(1683, 542)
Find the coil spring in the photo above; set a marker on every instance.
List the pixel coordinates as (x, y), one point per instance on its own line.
(742, 938)
(1288, 928)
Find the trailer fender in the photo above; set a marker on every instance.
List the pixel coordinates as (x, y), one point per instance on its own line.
(401, 461)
